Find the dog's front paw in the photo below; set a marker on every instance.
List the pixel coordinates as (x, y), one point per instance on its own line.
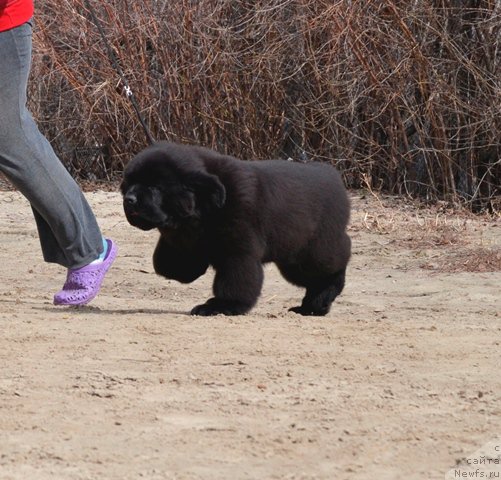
(216, 306)
(299, 310)
(204, 310)
(308, 312)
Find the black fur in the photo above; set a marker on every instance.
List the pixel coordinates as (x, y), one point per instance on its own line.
(234, 215)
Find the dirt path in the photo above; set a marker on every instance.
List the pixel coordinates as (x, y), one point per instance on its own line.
(401, 381)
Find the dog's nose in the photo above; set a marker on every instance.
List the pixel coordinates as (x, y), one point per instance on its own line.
(130, 199)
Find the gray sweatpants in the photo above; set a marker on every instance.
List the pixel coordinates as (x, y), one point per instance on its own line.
(68, 231)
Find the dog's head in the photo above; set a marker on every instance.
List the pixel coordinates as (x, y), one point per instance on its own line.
(165, 185)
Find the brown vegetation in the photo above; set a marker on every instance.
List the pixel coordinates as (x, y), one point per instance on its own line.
(444, 238)
(402, 96)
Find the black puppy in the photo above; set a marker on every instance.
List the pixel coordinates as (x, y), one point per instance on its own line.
(235, 215)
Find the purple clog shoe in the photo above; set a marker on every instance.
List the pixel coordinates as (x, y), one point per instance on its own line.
(83, 284)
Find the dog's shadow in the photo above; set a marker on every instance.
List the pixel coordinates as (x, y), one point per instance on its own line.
(93, 310)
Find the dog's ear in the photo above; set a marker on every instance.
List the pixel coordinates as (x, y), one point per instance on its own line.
(207, 187)
(185, 204)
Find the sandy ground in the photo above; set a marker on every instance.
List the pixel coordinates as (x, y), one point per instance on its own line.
(400, 381)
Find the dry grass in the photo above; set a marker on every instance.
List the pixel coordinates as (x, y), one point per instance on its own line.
(418, 231)
(402, 96)
(414, 224)
(452, 238)
(480, 260)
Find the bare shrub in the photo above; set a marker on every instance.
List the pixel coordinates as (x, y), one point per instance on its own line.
(402, 95)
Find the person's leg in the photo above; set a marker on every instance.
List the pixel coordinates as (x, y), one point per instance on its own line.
(68, 230)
